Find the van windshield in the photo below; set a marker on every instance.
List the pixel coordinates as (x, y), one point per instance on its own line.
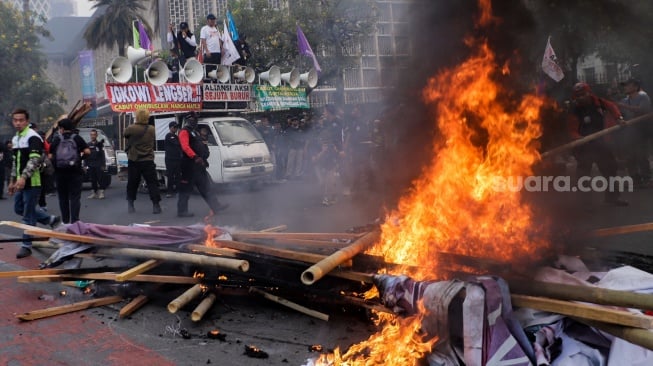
(237, 132)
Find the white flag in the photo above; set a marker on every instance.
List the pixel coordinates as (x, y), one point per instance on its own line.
(549, 63)
(229, 50)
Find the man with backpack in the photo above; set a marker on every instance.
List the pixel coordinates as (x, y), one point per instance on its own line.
(66, 152)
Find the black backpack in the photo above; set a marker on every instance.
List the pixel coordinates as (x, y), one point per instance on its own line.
(67, 154)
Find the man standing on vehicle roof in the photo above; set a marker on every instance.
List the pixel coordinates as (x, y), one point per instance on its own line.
(195, 156)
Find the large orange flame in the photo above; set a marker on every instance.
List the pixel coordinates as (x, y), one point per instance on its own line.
(456, 206)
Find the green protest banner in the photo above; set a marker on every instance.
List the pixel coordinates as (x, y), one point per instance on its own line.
(280, 97)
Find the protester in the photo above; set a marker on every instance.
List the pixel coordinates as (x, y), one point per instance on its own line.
(184, 42)
(637, 137)
(591, 114)
(140, 139)
(172, 159)
(25, 183)
(296, 140)
(243, 50)
(193, 170)
(66, 153)
(211, 43)
(96, 165)
(8, 161)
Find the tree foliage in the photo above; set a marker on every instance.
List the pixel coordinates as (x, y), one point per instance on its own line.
(114, 26)
(23, 80)
(333, 29)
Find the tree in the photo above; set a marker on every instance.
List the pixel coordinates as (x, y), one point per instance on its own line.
(334, 28)
(114, 26)
(24, 82)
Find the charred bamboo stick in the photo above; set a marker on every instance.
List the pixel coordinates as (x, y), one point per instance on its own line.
(203, 307)
(318, 270)
(136, 270)
(37, 272)
(627, 229)
(133, 305)
(58, 310)
(591, 294)
(184, 298)
(595, 136)
(164, 255)
(106, 276)
(640, 337)
(290, 304)
(592, 312)
(21, 239)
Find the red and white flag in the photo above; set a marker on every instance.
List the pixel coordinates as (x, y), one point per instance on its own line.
(549, 63)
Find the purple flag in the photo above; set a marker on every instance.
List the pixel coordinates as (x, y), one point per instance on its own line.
(305, 48)
(144, 39)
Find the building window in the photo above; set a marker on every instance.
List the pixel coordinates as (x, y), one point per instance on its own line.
(590, 75)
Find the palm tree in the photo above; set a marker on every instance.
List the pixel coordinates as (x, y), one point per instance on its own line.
(114, 25)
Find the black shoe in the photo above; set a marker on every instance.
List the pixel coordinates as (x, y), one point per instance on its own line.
(156, 208)
(54, 221)
(23, 252)
(221, 207)
(130, 206)
(185, 214)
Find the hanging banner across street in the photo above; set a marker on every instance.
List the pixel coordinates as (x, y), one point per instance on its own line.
(280, 97)
(166, 98)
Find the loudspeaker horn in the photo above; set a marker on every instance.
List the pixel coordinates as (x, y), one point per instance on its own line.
(309, 78)
(157, 73)
(221, 74)
(193, 71)
(291, 78)
(272, 76)
(120, 69)
(136, 55)
(247, 74)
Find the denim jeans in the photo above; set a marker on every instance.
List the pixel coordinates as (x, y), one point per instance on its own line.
(25, 205)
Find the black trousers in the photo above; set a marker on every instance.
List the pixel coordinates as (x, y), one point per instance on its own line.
(194, 175)
(173, 174)
(95, 175)
(69, 190)
(600, 153)
(213, 60)
(147, 170)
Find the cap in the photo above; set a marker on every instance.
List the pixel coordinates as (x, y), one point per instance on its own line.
(633, 81)
(183, 25)
(210, 16)
(66, 124)
(580, 88)
(173, 124)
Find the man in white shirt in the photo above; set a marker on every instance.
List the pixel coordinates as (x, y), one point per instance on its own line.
(211, 41)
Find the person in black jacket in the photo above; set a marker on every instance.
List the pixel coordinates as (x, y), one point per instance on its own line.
(193, 169)
(96, 164)
(69, 179)
(172, 159)
(184, 41)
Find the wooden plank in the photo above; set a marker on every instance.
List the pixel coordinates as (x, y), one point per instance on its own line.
(133, 305)
(136, 270)
(107, 276)
(618, 230)
(259, 249)
(290, 304)
(592, 312)
(274, 229)
(32, 272)
(280, 236)
(64, 309)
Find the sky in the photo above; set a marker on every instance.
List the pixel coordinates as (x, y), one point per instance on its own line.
(84, 8)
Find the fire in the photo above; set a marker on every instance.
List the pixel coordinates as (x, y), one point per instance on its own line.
(458, 205)
(211, 231)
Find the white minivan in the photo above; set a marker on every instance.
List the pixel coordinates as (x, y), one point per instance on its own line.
(238, 152)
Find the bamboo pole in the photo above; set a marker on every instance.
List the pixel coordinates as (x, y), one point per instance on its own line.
(274, 229)
(595, 136)
(627, 229)
(184, 298)
(164, 255)
(203, 307)
(136, 270)
(592, 312)
(243, 235)
(106, 276)
(133, 305)
(259, 249)
(591, 294)
(290, 304)
(318, 270)
(58, 310)
(640, 337)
